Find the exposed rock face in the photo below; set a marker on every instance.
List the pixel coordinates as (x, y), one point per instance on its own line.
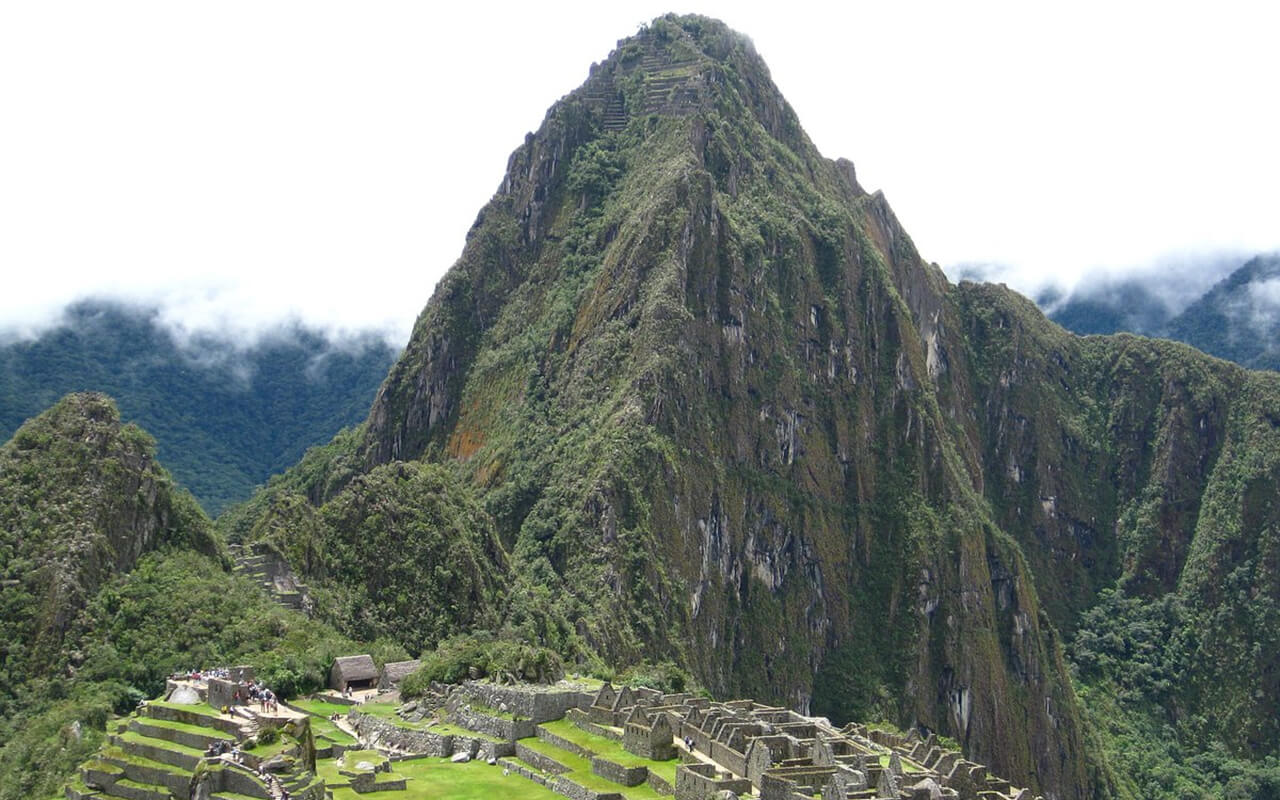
(711, 394)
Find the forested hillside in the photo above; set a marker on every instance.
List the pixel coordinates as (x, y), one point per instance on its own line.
(224, 416)
(111, 578)
(1238, 318)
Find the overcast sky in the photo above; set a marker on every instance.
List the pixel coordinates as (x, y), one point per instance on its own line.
(240, 162)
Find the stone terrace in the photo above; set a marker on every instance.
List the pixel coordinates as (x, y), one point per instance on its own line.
(163, 752)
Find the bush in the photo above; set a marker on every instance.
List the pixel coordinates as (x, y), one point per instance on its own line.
(664, 676)
(456, 658)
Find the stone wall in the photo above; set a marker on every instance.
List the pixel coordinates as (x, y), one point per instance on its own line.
(702, 781)
(372, 729)
(564, 744)
(523, 771)
(581, 720)
(540, 705)
(573, 791)
(540, 760)
(192, 717)
(731, 759)
(613, 771)
(500, 727)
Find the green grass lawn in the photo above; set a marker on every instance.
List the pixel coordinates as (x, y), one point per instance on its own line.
(199, 730)
(442, 780)
(387, 711)
(320, 708)
(138, 738)
(907, 766)
(581, 774)
(324, 729)
(198, 708)
(607, 747)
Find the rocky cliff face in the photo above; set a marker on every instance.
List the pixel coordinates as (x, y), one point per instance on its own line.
(722, 412)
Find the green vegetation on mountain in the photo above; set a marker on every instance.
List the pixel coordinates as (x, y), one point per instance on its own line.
(690, 399)
(112, 579)
(224, 417)
(1239, 318)
(720, 413)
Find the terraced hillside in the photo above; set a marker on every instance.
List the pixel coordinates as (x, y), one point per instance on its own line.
(162, 752)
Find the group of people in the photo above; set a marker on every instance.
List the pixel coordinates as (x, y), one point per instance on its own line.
(221, 747)
(256, 692)
(201, 674)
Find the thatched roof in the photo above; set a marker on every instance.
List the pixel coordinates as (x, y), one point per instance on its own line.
(396, 671)
(353, 668)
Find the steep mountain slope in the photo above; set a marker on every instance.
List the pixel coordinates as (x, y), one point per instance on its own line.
(111, 578)
(720, 412)
(224, 419)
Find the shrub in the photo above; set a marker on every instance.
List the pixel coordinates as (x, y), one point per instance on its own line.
(456, 658)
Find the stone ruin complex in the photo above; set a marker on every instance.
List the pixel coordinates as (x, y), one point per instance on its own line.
(739, 748)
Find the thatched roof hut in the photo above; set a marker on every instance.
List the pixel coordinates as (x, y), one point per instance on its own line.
(355, 672)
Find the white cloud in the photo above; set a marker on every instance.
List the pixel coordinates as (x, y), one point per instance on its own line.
(243, 162)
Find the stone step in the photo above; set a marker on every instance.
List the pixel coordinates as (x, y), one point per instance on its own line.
(199, 715)
(100, 773)
(77, 790)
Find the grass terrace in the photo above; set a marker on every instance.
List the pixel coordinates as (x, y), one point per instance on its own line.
(321, 708)
(387, 711)
(433, 778)
(580, 767)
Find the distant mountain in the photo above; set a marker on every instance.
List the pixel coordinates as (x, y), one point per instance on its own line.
(224, 418)
(1237, 319)
(1129, 305)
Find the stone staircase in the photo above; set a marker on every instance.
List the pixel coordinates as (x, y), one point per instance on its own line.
(273, 574)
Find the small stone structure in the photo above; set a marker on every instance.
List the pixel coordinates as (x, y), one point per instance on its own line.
(353, 672)
(649, 737)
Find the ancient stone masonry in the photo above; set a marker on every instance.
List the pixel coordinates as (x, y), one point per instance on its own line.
(744, 747)
(273, 573)
(740, 747)
(353, 672)
(395, 671)
(647, 77)
(190, 751)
